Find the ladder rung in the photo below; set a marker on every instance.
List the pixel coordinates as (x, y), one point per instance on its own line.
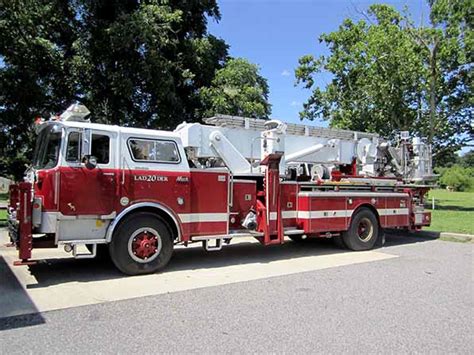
(292, 128)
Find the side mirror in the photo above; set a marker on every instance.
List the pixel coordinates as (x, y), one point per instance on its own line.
(89, 161)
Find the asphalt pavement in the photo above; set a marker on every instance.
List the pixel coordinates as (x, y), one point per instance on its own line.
(413, 295)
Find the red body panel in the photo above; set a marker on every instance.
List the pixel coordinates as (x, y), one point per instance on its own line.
(244, 199)
(209, 198)
(289, 193)
(329, 216)
(394, 205)
(87, 191)
(332, 213)
(46, 187)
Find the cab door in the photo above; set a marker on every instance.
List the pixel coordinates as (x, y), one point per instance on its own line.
(88, 190)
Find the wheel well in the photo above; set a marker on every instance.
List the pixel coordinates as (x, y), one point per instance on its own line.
(156, 211)
(371, 208)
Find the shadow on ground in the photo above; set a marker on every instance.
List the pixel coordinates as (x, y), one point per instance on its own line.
(14, 300)
(56, 271)
(397, 237)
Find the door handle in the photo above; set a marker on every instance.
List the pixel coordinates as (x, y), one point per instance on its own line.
(109, 174)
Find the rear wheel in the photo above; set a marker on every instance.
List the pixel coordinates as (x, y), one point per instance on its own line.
(363, 231)
(142, 244)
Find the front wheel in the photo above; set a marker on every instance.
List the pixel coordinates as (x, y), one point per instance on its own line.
(363, 231)
(142, 244)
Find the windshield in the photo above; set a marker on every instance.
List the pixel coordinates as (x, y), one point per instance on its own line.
(47, 148)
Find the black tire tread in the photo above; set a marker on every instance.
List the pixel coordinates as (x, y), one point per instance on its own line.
(119, 246)
(350, 238)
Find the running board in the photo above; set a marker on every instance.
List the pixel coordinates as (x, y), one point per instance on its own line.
(293, 231)
(201, 238)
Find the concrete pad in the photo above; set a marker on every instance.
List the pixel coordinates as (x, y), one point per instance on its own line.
(62, 282)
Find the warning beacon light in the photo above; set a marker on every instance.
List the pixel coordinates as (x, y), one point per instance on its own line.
(75, 112)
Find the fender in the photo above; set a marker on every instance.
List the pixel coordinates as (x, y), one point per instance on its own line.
(129, 209)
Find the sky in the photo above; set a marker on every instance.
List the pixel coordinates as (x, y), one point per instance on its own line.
(274, 34)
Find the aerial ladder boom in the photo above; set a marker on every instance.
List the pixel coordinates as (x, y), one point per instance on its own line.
(241, 143)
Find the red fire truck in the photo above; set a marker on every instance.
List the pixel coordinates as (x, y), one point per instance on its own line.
(135, 193)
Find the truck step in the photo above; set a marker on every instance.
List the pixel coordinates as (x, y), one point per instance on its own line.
(293, 231)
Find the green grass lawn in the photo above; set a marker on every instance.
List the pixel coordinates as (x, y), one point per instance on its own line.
(3, 213)
(3, 218)
(454, 211)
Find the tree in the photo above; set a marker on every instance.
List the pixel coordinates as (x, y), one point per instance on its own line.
(141, 63)
(131, 62)
(237, 89)
(467, 160)
(447, 48)
(386, 78)
(36, 42)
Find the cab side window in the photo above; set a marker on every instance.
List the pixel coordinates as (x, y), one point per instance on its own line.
(154, 150)
(100, 148)
(73, 152)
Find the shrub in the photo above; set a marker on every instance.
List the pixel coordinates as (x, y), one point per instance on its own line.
(457, 177)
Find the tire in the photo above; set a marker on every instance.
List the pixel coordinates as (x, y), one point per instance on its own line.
(142, 244)
(102, 252)
(363, 232)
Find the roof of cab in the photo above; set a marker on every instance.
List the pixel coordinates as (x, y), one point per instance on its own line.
(114, 128)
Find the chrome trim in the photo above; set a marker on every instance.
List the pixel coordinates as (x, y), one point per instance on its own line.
(66, 217)
(351, 194)
(111, 227)
(56, 189)
(81, 241)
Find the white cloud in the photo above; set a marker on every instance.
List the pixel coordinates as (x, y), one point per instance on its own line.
(295, 103)
(285, 73)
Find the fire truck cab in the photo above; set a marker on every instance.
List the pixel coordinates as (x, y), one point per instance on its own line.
(135, 193)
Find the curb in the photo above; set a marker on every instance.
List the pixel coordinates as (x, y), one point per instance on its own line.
(456, 237)
(448, 236)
